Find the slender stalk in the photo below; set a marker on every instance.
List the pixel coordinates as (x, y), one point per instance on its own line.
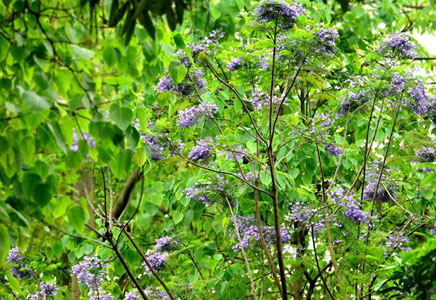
(129, 272)
(244, 255)
(150, 267)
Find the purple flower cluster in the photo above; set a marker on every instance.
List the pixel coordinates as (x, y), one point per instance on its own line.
(398, 84)
(422, 104)
(299, 212)
(100, 295)
(260, 99)
(156, 259)
(213, 38)
(353, 209)
(156, 146)
(192, 83)
(20, 270)
(235, 64)
(209, 190)
(381, 194)
(281, 12)
(165, 243)
(235, 152)
(133, 295)
(14, 256)
(184, 59)
(165, 84)
(353, 101)
(427, 154)
(333, 150)
(158, 255)
(202, 151)
(397, 240)
(90, 272)
(326, 40)
(263, 63)
(76, 139)
(48, 290)
(250, 234)
(154, 293)
(399, 46)
(196, 115)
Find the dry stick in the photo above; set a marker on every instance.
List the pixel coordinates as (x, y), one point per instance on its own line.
(317, 262)
(343, 148)
(110, 195)
(259, 136)
(271, 164)
(126, 267)
(106, 223)
(324, 202)
(244, 255)
(76, 235)
(221, 172)
(150, 267)
(259, 226)
(395, 201)
(380, 176)
(286, 94)
(277, 222)
(123, 227)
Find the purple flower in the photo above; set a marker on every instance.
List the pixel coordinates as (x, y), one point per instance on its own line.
(235, 64)
(165, 84)
(250, 236)
(263, 63)
(14, 256)
(208, 190)
(299, 212)
(196, 115)
(184, 59)
(284, 14)
(333, 150)
(157, 147)
(90, 271)
(352, 207)
(156, 294)
(381, 193)
(156, 259)
(428, 154)
(202, 151)
(326, 40)
(397, 240)
(399, 46)
(100, 295)
(165, 243)
(48, 290)
(36, 296)
(422, 104)
(354, 101)
(133, 295)
(88, 138)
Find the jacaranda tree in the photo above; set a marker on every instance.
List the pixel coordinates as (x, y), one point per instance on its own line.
(265, 151)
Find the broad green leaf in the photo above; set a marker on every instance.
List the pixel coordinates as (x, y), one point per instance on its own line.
(4, 243)
(76, 218)
(122, 116)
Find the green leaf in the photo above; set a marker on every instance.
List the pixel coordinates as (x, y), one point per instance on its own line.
(4, 242)
(122, 116)
(139, 157)
(109, 56)
(83, 53)
(177, 71)
(76, 218)
(35, 102)
(42, 194)
(177, 217)
(61, 206)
